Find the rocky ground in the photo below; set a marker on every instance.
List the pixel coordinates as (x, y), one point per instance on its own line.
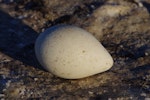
(122, 26)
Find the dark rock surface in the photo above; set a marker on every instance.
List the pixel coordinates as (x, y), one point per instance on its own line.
(124, 31)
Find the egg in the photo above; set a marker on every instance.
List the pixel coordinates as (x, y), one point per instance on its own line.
(70, 52)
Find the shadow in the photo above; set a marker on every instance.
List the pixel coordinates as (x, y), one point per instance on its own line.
(124, 50)
(63, 19)
(143, 68)
(133, 52)
(140, 79)
(94, 5)
(147, 5)
(17, 40)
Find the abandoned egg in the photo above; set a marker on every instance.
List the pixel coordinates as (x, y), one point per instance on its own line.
(70, 52)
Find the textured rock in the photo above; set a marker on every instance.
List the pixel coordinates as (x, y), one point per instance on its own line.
(71, 52)
(129, 47)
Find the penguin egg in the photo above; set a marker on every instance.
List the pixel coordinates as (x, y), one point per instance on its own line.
(70, 52)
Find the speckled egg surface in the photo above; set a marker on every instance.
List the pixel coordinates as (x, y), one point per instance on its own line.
(70, 52)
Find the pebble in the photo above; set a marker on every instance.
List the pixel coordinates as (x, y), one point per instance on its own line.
(2, 95)
(143, 94)
(8, 83)
(72, 53)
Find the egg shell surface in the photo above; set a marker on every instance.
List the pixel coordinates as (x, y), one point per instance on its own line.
(72, 53)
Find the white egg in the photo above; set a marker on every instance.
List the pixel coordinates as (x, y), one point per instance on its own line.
(70, 52)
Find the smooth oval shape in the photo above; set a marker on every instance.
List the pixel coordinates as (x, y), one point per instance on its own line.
(70, 52)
